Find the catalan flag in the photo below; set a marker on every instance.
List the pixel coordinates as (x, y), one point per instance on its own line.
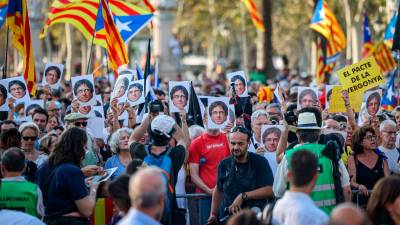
(254, 14)
(129, 18)
(367, 45)
(18, 22)
(3, 11)
(149, 6)
(389, 98)
(396, 37)
(116, 51)
(384, 58)
(389, 31)
(325, 23)
(321, 63)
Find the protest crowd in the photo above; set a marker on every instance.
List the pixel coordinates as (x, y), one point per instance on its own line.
(222, 148)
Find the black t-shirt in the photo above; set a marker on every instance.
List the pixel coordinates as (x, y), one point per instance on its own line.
(177, 155)
(235, 178)
(61, 187)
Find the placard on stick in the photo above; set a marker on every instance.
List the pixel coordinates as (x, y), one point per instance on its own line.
(360, 76)
(337, 103)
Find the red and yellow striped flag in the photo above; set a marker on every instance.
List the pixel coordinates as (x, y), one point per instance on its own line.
(254, 14)
(384, 58)
(325, 23)
(82, 15)
(105, 25)
(320, 69)
(18, 22)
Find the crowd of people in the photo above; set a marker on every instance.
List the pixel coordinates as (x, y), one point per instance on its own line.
(252, 158)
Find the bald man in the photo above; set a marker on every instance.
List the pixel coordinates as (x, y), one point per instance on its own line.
(348, 214)
(148, 193)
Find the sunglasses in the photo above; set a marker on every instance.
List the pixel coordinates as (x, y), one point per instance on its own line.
(28, 138)
(80, 124)
(241, 130)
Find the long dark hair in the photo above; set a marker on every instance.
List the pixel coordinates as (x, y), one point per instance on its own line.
(358, 136)
(69, 147)
(385, 191)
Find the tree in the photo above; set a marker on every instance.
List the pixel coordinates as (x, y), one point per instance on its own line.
(269, 69)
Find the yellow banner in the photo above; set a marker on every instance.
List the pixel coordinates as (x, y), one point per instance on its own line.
(360, 76)
(336, 103)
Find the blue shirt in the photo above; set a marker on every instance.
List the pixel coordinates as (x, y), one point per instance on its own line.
(112, 162)
(136, 217)
(61, 186)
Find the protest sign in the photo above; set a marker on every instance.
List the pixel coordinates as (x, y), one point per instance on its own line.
(360, 76)
(336, 103)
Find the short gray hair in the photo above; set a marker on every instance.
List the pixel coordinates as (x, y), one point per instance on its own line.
(114, 140)
(27, 125)
(386, 123)
(195, 131)
(147, 187)
(258, 113)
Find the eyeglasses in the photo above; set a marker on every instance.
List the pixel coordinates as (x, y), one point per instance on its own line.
(80, 124)
(371, 137)
(241, 130)
(29, 138)
(390, 132)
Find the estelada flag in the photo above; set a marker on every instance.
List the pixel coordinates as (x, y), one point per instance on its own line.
(18, 22)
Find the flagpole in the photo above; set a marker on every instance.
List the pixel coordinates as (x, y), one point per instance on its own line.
(91, 45)
(6, 56)
(398, 72)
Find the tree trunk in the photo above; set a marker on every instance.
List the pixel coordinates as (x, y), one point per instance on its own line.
(269, 69)
(347, 13)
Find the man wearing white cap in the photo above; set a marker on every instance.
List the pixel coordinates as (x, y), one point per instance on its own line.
(323, 194)
(161, 154)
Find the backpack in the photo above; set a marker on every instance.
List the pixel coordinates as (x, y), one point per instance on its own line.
(163, 162)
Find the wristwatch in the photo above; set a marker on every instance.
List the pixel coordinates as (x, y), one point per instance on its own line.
(244, 196)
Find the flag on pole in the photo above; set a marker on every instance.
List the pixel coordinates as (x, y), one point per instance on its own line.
(367, 45)
(139, 71)
(156, 81)
(116, 51)
(149, 6)
(396, 37)
(389, 31)
(3, 11)
(18, 22)
(129, 18)
(321, 63)
(325, 23)
(384, 58)
(389, 98)
(254, 14)
(194, 112)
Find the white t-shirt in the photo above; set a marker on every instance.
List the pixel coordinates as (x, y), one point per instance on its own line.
(393, 157)
(10, 217)
(296, 208)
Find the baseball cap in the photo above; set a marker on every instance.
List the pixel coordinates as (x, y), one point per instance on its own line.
(162, 124)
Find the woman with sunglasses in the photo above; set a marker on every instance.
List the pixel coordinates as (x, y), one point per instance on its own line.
(30, 132)
(66, 196)
(367, 164)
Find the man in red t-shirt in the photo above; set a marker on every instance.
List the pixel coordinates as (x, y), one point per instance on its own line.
(205, 153)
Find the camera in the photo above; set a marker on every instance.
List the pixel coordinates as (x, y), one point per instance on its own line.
(290, 118)
(274, 120)
(156, 106)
